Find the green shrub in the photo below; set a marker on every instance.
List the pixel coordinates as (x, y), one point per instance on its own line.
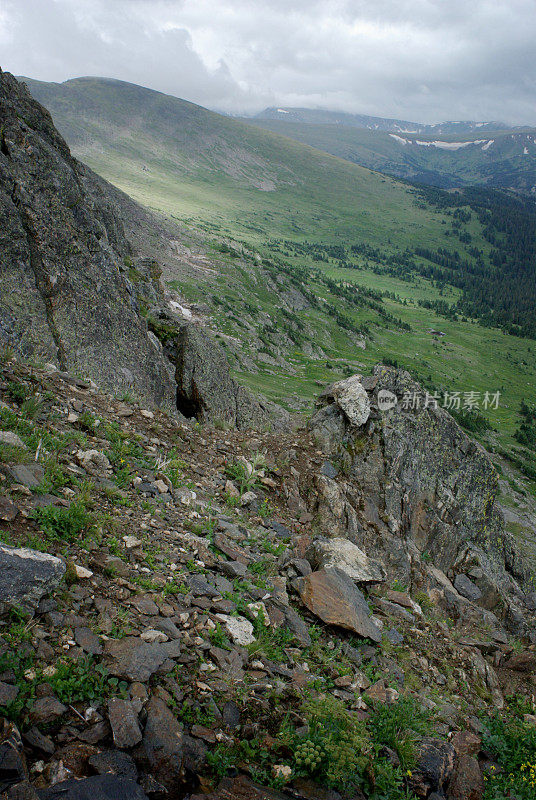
(86, 421)
(219, 638)
(398, 725)
(343, 742)
(17, 392)
(512, 742)
(247, 474)
(31, 407)
(83, 680)
(64, 524)
(308, 756)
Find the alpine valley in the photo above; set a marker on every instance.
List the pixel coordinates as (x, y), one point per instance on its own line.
(267, 452)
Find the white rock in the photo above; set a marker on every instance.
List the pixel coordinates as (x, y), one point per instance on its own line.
(147, 414)
(352, 399)
(161, 486)
(8, 437)
(240, 629)
(131, 542)
(82, 573)
(151, 636)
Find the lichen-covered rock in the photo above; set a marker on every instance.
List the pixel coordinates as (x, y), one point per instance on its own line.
(26, 575)
(62, 247)
(413, 483)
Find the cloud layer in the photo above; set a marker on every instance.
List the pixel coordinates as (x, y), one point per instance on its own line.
(423, 60)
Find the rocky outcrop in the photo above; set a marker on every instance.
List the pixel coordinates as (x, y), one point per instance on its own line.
(63, 295)
(206, 390)
(192, 629)
(408, 484)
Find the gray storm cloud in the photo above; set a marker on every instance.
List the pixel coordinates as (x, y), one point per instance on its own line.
(424, 60)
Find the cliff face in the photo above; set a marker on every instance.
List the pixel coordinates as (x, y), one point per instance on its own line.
(63, 297)
(411, 488)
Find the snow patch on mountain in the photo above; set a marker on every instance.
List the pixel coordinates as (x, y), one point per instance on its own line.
(438, 143)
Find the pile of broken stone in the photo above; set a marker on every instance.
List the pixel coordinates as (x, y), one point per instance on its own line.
(161, 646)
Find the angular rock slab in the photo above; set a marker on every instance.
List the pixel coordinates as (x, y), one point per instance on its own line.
(124, 722)
(333, 596)
(26, 575)
(134, 659)
(346, 556)
(162, 747)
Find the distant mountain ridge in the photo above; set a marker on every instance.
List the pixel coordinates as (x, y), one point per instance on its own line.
(312, 116)
(447, 155)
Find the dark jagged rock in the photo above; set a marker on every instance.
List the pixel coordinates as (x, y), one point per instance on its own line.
(62, 248)
(162, 747)
(13, 768)
(97, 787)
(205, 387)
(26, 575)
(434, 768)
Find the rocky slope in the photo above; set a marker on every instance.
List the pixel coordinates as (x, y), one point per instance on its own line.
(194, 604)
(214, 613)
(66, 294)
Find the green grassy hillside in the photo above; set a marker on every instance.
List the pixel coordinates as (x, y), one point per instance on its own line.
(180, 158)
(493, 158)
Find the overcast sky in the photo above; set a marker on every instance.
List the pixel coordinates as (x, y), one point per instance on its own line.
(422, 60)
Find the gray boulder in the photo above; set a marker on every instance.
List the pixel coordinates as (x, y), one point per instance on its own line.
(26, 575)
(346, 556)
(350, 396)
